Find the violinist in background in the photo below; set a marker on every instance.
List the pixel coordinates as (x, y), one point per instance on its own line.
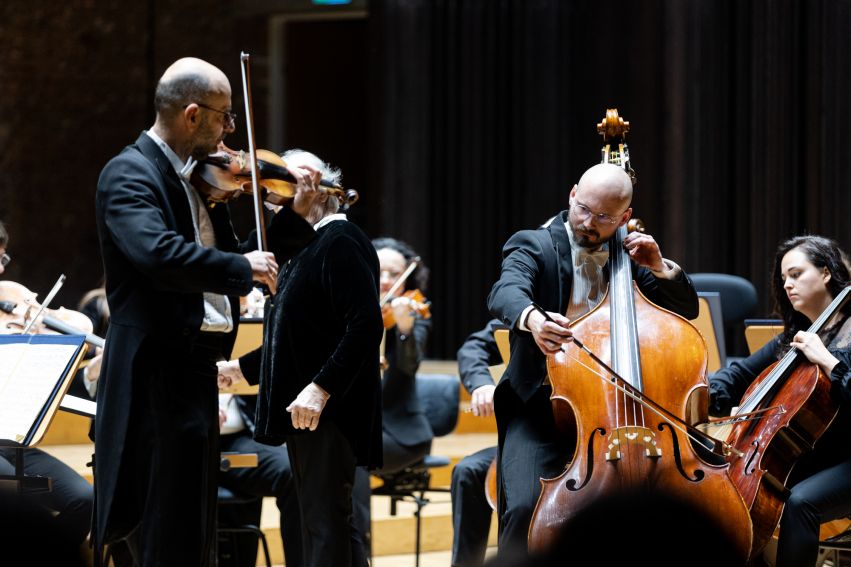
(174, 270)
(320, 387)
(61, 516)
(808, 272)
(563, 269)
(406, 433)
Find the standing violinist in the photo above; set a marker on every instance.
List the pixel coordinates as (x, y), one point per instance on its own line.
(62, 514)
(808, 272)
(406, 435)
(320, 387)
(563, 269)
(173, 272)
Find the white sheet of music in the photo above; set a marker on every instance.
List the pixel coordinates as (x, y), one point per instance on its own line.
(28, 374)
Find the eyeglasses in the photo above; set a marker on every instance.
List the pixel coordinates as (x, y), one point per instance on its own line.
(5, 259)
(230, 117)
(584, 212)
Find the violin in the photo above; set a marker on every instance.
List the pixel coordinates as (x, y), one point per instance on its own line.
(418, 304)
(226, 174)
(18, 307)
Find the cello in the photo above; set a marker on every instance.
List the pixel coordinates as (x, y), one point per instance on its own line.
(631, 405)
(793, 399)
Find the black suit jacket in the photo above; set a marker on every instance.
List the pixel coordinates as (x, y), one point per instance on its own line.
(478, 353)
(325, 327)
(537, 267)
(403, 416)
(155, 278)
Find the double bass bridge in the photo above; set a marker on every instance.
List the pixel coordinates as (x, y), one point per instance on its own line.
(630, 435)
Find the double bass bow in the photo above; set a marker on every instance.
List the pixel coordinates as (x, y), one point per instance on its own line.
(629, 387)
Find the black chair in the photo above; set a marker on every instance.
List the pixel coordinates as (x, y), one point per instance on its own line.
(835, 551)
(227, 533)
(738, 302)
(440, 395)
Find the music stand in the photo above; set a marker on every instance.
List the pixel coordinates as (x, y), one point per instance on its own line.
(35, 373)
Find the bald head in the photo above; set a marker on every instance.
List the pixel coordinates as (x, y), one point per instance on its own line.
(608, 182)
(186, 81)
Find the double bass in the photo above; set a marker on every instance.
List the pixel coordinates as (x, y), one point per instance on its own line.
(629, 387)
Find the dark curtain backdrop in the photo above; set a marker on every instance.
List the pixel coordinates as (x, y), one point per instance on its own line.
(482, 115)
(739, 114)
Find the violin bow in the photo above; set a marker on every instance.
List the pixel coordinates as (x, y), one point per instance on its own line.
(259, 219)
(399, 281)
(56, 287)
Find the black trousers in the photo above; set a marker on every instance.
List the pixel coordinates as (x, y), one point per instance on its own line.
(170, 468)
(323, 465)
(396, 458)
(272, 476)
(820, 485)
(530, 449)
(61, 517)
(471, 513)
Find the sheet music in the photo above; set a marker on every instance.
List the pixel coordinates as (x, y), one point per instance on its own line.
(28, 375)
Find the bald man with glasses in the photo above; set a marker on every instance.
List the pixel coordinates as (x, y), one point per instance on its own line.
(174, 270)
(562, 268)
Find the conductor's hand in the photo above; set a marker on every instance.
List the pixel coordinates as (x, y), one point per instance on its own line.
(264, 268)
(549, 336)
(644, 250)
(306, 189)
(482, 400)
(308, 406)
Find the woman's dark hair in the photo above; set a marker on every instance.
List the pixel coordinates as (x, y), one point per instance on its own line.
(419, 277)
(821, 252)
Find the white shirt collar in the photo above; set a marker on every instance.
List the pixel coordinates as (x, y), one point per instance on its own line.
(184, 170)
(329, 219)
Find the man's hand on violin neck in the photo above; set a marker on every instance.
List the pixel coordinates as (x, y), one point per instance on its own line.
(264, 268)
(306, 189)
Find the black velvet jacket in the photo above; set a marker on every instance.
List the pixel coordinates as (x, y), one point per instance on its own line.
(325, 327)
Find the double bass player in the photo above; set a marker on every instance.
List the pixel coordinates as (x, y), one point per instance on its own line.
(563, 269)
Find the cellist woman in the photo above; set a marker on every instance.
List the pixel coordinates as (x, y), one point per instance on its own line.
(563, 269)
(808, 273)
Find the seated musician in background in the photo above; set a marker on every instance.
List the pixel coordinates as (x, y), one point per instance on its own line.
(406, 433)
(809, 271)
(561, 268)
(61, 516)
(471, 513)
(320, 387)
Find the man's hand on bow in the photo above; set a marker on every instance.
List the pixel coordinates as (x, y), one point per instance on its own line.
(549, 335)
